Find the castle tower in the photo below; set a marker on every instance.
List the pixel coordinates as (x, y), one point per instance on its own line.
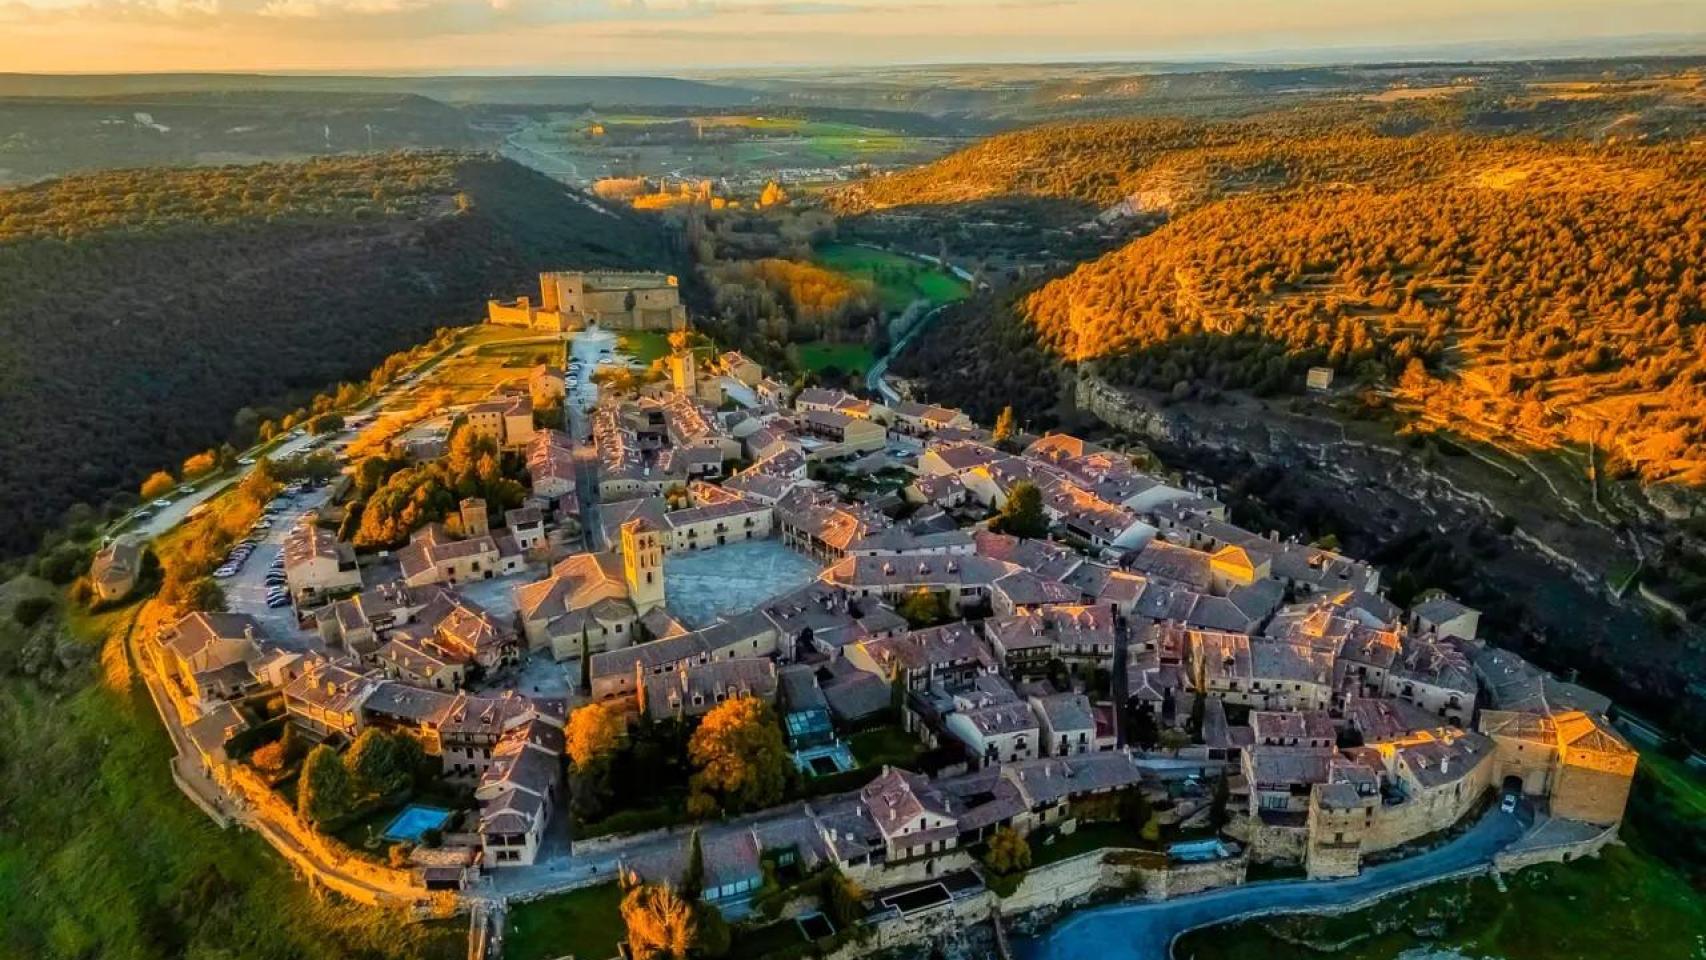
(642, 564)
(474, 522)
(684, 372)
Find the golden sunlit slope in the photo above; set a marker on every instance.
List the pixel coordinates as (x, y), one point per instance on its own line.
(1554, 293)
(1174, 165)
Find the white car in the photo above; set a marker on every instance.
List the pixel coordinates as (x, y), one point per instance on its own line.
(163, 503)
(246, 462)
(1509, 805)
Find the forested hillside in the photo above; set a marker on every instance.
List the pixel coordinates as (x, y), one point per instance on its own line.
(144, 309)
(1534, 292)
(1540, 299)
(43, 136)
(1172, 164)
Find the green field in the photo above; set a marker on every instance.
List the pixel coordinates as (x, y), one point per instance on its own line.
(899, 280)
(1621, 901)
(1683, 787)
(101, 856)
(585, 923)
(851, 358)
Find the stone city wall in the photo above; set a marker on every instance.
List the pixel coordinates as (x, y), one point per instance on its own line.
(1510, 861)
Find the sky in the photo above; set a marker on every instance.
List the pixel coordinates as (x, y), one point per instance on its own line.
(578, 37)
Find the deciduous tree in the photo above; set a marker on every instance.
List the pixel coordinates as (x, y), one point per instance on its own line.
(1022, 515)
(158, 484)
(325, 792)
(595, 733)
(1008, 853)
(740, 757)
(661, 924)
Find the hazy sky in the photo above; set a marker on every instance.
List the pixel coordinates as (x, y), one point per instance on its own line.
(670, 36)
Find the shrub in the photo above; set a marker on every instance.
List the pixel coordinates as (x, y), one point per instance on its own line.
(29, 611)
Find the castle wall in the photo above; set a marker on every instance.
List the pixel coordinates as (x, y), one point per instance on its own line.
(1592, 792)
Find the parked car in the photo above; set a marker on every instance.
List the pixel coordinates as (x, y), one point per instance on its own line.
(246, 461)
(163, 503)
(1509, 805)
(186, 488)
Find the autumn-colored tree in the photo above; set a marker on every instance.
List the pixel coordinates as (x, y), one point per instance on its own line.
(595, 733)
(661, 924)
(773, 195)
(740, 757)
(200, 465)
(1008, 852)
(158, 484)
(679, 341)
(1005, 425)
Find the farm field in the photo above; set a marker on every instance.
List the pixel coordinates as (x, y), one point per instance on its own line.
(899, 280)
(794, 150)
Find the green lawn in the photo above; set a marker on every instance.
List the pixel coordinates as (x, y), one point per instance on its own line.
(1622, 903)
(853, 358)
(1088, 837)
(890, 745)
(899, 280)
(586, 923)
(754, 943)
(644, 345)
(1684, 787)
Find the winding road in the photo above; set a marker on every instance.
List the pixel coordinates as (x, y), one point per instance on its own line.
(1145, 931)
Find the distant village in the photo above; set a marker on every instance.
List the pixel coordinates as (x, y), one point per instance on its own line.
(1261, 695)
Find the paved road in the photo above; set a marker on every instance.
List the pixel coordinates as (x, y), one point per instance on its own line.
(1145, 931)
(874, 377)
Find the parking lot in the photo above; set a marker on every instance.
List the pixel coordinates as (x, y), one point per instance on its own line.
(246, 592)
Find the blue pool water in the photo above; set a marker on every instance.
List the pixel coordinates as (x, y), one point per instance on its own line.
(414, 821)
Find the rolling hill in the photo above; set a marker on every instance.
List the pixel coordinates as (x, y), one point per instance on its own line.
(144, 308)
(1537, 292)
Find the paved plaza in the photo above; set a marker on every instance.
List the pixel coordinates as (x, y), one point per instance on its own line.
(702, 585)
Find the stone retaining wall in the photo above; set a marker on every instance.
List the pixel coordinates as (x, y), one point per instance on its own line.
(1511, 861)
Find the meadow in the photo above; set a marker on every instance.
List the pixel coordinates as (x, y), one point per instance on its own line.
(899, 279)
(101, 856)
(850, 358)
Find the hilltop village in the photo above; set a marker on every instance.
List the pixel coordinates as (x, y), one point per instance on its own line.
(967, 641)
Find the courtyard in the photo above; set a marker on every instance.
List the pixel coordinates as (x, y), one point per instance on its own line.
(702, 585)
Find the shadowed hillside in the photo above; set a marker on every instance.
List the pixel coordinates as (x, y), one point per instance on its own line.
(143, 309)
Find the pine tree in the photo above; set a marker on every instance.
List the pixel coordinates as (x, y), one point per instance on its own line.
(693, 880)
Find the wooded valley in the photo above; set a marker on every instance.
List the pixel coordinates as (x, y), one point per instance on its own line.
(144, 309)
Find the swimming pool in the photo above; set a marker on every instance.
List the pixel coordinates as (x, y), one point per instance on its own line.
(415, 820)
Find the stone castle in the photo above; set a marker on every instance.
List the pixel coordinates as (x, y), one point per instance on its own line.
(573, 300)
